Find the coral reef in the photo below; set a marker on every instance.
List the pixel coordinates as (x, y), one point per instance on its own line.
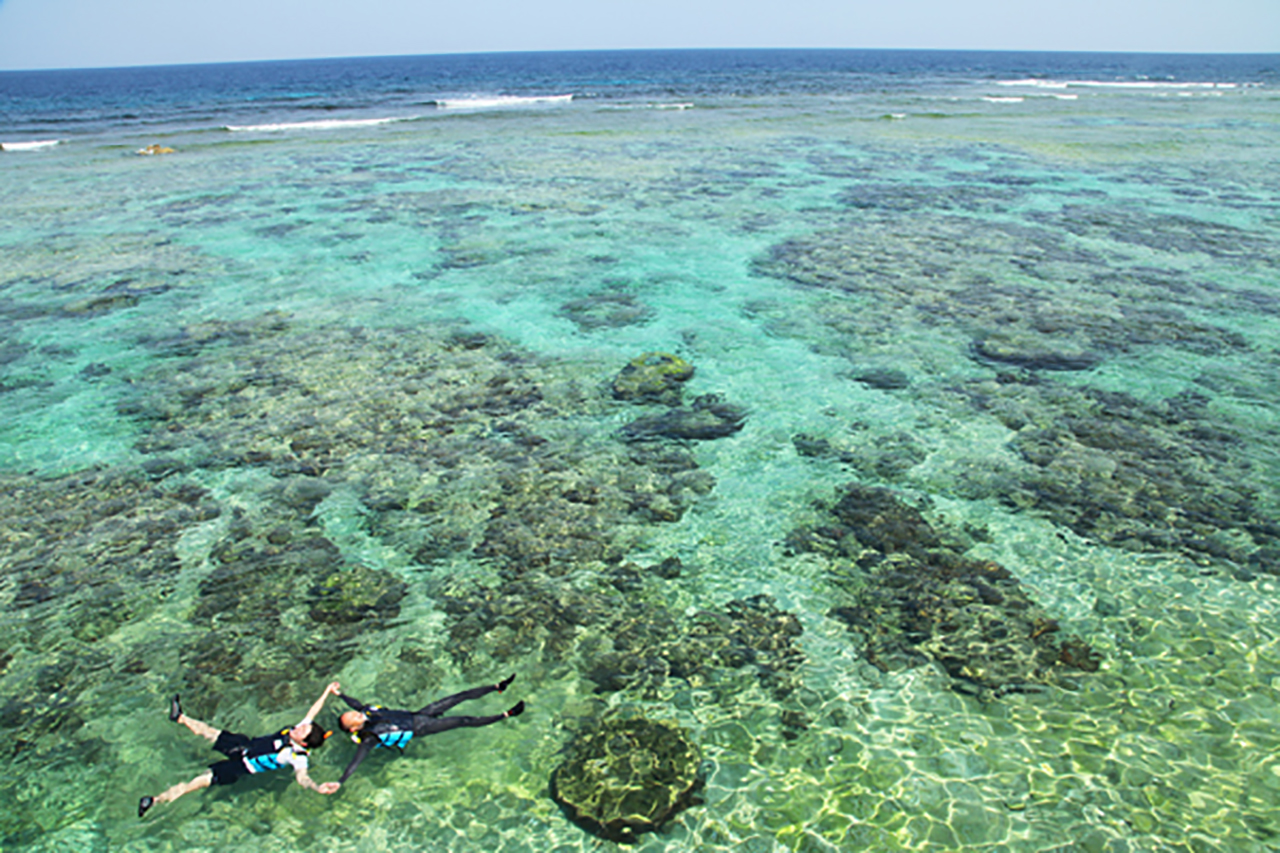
(623, 641)
(1147, 476)
(647, 646)
(445, 442)
(610, 309)
(85, 555)
(915, 598)
(1041, 313)
(453, 440)
(874, 456)
(623, 776)
(1020, 294)
(1164, 232)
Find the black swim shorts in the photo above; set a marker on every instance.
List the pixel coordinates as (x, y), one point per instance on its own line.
(233, 746)
(226, 772)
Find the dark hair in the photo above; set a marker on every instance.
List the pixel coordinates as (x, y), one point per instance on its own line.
(315, 737)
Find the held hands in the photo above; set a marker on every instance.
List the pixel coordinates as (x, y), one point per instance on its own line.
(333, 689)
(329, 787)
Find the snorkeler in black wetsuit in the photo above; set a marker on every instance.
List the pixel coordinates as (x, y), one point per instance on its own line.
(373, 726)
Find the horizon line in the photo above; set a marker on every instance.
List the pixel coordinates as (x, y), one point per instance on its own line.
(332, 57)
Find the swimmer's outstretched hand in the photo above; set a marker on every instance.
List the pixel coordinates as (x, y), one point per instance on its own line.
(328, 787)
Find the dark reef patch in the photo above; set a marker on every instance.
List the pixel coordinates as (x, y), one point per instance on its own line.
(278, 595)
(619, 633)
(455, 441)
(609, 309)
(623, 776)
(913, 599)
(873, 455)
(1164, 232)
(85, 555)
(707, 418)
(1168, 475)
(1020, 294)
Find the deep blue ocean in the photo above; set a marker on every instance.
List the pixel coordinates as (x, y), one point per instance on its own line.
(80, 103)
(846, 450)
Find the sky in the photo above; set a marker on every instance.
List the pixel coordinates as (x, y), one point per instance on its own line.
(108, 33)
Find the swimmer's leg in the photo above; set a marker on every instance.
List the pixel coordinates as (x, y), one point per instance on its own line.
(441, 705)
(204, 780)
(205, 730)
(427, 724)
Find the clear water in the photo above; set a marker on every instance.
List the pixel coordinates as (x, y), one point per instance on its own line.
(367, 340)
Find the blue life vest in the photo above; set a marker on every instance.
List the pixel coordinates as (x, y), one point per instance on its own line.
(262, 763)
(397, 739)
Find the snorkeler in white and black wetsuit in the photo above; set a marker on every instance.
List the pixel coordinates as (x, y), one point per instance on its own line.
(246, 755)
(373, 726)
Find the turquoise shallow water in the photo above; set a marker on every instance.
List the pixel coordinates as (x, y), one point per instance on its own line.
(292, 406)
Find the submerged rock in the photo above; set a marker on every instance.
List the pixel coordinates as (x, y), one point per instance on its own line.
(883, 379)
(1034, 353)
(708, 418)
(655, 377)
(647, 645)
(623, 776)
(355, 595)
(880, 520)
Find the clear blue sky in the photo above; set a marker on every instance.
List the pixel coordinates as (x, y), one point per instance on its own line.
(98, 33)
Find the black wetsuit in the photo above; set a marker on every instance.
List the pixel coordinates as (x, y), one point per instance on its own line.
(385, 727)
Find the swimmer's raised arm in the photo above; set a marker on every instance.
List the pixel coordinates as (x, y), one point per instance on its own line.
(333, 689)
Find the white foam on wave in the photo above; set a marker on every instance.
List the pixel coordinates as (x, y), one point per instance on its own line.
(649, 106)
(36, 145)
(1037, 83)
(501, 101)
(991, 99)
(320, 124)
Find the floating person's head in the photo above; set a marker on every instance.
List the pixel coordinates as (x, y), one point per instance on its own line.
(352, 722)
(308, 734)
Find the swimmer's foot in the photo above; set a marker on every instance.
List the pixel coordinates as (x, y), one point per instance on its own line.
(506, 682)
(144, 804)
(516, 710)
(175, 709)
